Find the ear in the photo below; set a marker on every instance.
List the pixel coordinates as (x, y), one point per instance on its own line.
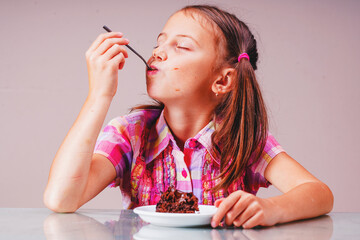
(224, 82)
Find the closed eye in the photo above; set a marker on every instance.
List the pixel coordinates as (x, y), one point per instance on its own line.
(182, 47)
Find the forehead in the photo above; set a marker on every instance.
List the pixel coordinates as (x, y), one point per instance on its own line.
(190, 23)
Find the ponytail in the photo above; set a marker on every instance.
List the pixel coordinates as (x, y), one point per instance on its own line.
(242, 128)
(242, 123)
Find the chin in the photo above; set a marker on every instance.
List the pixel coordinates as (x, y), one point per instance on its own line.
(152, 94)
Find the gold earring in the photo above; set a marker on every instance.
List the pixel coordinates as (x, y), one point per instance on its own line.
(216, 94)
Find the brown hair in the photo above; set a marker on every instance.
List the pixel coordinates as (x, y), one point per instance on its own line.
(242, 126)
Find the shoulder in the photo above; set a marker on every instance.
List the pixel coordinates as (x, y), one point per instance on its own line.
(272, 147)
(135, 121)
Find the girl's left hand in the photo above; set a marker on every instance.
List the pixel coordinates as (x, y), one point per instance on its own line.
(244, 209)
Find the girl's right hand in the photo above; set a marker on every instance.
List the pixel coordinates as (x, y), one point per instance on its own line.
(104, 58)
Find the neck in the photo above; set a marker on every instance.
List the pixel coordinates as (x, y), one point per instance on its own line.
(186, 123)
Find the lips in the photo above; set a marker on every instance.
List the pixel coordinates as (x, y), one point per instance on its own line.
(153, 70)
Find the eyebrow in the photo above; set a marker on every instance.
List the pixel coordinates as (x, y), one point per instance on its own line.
(180, 35)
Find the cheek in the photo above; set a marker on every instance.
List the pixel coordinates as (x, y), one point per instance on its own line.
(197, 69)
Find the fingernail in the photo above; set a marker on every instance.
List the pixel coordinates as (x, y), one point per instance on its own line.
(213, 224)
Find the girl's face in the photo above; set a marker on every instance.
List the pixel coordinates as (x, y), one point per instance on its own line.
(184, 57)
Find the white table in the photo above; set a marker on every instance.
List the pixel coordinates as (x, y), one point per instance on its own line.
(41, 223)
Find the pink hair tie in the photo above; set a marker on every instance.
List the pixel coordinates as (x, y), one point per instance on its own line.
(243, 55)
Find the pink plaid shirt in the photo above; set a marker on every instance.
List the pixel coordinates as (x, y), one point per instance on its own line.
(120, 142)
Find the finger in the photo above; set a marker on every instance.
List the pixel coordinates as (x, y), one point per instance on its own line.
(121, 65)
(252, 221)
(218, 202)
(246, 215)
(108, 43)
(237, 209)
(113, 51)
(118, 60)
(224, 207)
(102, 38)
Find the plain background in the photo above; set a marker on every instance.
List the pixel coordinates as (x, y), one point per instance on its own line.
(308, 71)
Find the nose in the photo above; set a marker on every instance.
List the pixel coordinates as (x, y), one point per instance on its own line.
(159, 54)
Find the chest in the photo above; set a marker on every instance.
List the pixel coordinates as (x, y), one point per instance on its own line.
(189, 171)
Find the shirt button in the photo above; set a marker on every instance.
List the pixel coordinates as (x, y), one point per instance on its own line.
(192, 143)
(184, 173)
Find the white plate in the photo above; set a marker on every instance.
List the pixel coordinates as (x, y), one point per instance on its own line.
(203, 217)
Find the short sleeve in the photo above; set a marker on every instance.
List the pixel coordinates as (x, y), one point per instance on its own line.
(114, 143)
(256, 171)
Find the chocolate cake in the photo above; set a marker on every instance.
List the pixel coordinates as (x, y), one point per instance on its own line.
(175, 201)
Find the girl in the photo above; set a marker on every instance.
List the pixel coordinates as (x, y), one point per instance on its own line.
(207, 134)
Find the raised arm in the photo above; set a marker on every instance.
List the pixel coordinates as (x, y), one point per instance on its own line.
(76, 174)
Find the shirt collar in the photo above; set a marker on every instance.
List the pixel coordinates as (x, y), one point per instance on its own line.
(204, 138)
(160, 136)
